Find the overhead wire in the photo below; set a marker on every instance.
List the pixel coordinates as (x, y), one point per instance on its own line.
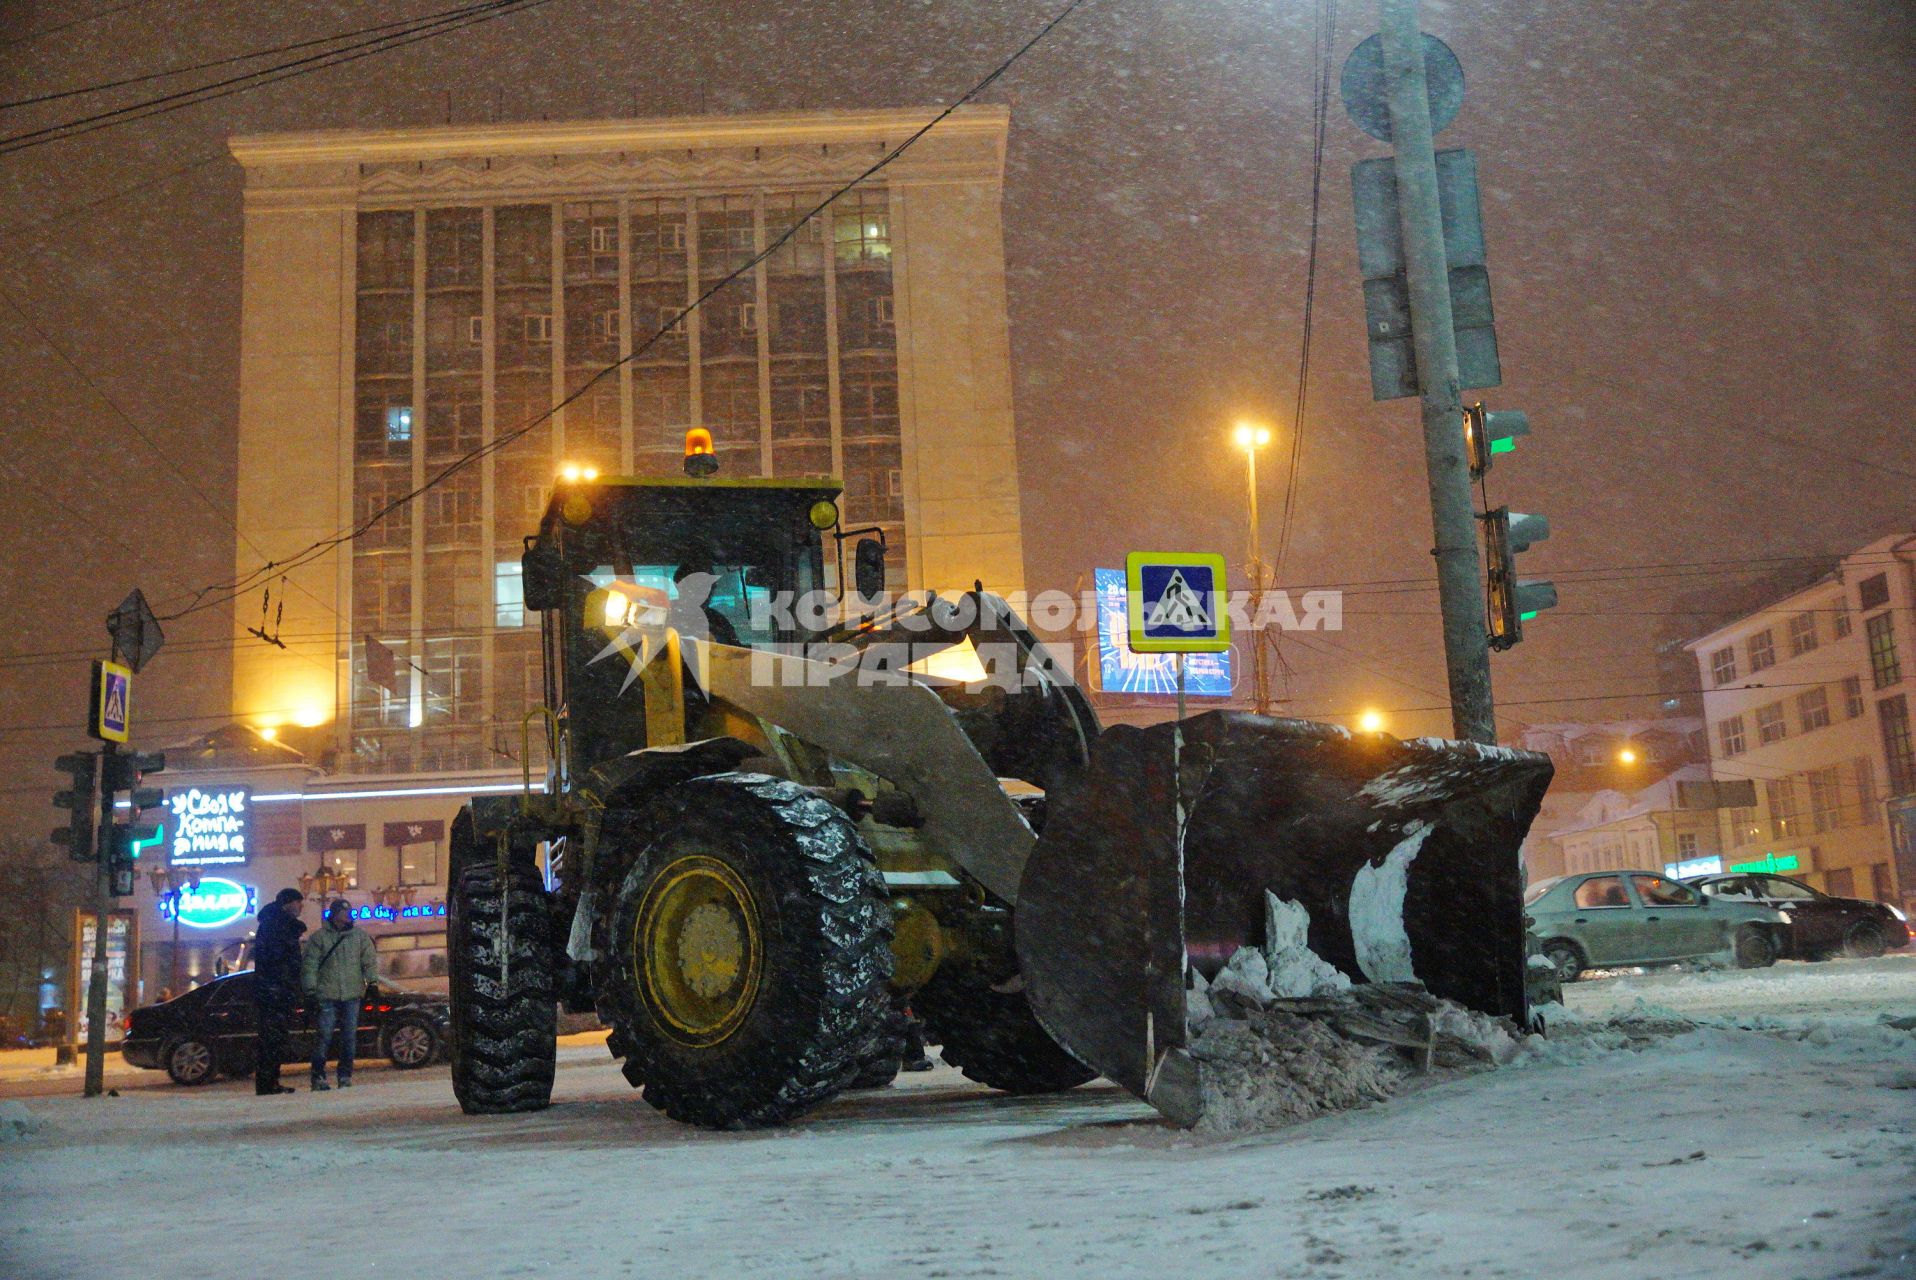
(225, 61)
(1324, 41)
(470, 15)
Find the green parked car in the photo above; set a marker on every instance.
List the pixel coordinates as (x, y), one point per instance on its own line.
(1603, 919)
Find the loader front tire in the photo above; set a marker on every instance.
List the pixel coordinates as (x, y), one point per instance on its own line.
(503, 1039)
(747, 953)
(991, 1035)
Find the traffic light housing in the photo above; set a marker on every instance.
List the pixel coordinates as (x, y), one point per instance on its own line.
(81, 799)
(123, 772)
(1488, 433)
(1513, 601)
(126, 769)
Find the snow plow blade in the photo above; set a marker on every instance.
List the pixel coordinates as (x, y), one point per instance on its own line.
(1405, 853)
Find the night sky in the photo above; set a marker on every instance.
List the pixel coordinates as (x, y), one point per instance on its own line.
(1699, 218)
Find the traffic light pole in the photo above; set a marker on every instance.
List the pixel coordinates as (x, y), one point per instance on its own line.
(102, 908)
(1460, 589)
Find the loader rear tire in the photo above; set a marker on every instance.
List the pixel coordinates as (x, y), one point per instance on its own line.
(503, 1033)
(747, 953)
(992, 1036)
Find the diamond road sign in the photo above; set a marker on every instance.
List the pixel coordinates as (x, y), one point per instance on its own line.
(1175, 602)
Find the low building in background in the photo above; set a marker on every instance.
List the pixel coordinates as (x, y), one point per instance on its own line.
(1611, 761)
(1809, 700)
(1667, 826)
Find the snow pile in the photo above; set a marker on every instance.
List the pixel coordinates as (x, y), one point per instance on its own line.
(17, 1122)
(1284, 1036)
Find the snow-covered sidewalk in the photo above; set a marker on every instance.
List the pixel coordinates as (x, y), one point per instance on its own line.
(1786, 1152)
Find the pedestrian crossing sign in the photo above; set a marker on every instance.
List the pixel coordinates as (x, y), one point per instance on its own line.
(1175, 602)
(112, 698)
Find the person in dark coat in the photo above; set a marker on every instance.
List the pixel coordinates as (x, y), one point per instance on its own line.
(276, 985)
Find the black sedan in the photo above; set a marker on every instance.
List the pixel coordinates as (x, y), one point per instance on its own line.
(213, 1030)
(1820, 926)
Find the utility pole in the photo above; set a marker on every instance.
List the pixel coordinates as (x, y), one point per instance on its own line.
(1459, 571)
(102, 914)
(1251, 437)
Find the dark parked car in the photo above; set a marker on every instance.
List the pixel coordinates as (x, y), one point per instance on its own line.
(212, 1030)
(1820, 926)
(1608, 918)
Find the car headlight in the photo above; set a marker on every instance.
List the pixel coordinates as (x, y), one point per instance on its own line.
(1898, 913)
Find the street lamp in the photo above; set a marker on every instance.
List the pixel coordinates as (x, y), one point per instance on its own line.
(1627, 756)
(1371, 722)
(1250, 437)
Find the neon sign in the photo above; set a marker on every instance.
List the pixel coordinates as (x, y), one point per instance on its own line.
(417, 912)
(210, 826)
(1693, 867)
(216, 902)
(1769, 862)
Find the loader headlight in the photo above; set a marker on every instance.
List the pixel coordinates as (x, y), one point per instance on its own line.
(824, 514)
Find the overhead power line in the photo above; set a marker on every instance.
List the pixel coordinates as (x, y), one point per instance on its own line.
(425, 29)
(70, 23)
(227, 61)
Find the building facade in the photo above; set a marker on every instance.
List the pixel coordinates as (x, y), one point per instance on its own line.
(478, 305)
(1809, 699)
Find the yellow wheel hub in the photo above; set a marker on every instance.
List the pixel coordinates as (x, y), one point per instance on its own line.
(697, 950)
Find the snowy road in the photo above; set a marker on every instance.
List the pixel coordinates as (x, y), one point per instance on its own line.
(1784, 1152)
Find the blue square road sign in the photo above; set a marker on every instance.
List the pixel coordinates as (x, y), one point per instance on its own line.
(1176, 602)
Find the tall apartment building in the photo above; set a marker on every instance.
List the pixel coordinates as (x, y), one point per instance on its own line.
(412, 296)
(1810, 698)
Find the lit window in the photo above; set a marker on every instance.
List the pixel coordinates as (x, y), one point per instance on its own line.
(1802, 634)
(1729, 736)
(509, 594)
(1852, 697)
(1762, 651)
(1785, 818)
(1893, 715)
(398, 424)
(1813, 708)
(1723, 666)
(1884, 667)
(1769, 724)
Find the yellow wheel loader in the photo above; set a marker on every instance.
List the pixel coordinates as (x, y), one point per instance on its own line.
(765, 830)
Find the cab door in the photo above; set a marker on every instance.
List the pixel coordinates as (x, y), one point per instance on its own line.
(1602, 921)
(1675, 924)
(1816, 923)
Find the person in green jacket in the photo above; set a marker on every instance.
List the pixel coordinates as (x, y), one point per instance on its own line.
(337, 965)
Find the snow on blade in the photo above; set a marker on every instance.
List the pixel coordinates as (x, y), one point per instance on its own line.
(1377, 911)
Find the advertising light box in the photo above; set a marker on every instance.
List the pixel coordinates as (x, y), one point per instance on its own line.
(1123, 670)
(209, 826)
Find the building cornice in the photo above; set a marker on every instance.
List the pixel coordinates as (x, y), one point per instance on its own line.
(586, 137)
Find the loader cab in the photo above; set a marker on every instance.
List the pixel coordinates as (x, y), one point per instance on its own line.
(616, 559)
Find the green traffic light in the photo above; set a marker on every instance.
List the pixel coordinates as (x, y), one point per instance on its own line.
(1525, 617)
(1506, 445)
